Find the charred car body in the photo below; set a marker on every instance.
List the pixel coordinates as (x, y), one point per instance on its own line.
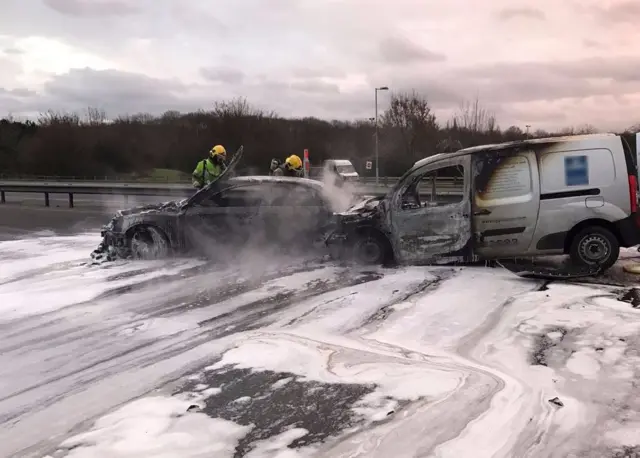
(223, 215)
(567, 195)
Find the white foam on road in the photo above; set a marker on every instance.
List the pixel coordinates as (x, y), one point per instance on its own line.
(452, 365)
(69, 353)
(157, 427)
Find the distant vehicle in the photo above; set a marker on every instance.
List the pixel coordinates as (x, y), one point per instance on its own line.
(226, 213)
(567, 195)
(342, 169)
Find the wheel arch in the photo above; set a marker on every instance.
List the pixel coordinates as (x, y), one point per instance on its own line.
(588, 223)
(370, 230)
(145, 224)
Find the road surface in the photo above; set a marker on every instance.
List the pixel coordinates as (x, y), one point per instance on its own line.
(273, 355)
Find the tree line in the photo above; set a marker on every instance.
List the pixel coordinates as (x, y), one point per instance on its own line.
(89, 144)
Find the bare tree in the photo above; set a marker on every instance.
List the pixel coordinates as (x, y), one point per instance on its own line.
(579, 130)
(51, 117)
(410, 114)
(95, 116)
(67, 144)
(473, 118)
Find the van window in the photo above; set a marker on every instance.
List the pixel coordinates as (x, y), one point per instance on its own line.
(576, 169)
(347, 168)
(501, 178)
(443, 186)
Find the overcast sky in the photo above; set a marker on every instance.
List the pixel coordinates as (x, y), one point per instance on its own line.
(547, 63)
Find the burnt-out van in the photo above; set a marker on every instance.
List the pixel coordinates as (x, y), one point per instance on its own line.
(573, 195)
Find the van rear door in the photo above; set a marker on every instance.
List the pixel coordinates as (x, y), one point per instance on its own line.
(505, 202)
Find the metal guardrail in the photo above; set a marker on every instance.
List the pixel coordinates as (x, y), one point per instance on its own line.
(386, 181)
(157, 189)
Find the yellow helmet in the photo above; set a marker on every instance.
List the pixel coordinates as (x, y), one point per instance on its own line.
(218, 150)
(294, 162)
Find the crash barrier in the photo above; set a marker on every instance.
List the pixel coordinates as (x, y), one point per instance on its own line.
(383, 181)
(172, 190)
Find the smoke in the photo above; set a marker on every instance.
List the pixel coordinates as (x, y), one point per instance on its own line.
(110, 204)
(258, 228)
(341, 194)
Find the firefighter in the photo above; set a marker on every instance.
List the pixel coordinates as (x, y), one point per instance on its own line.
(210, 168)
(275, 163)
(292, 167)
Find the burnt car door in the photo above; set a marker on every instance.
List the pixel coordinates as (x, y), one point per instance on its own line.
(221, 217)
(429, 212)
(293, 213)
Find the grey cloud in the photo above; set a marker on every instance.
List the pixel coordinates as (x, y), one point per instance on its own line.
(401, 50)
(126, 93)
(538, 117)
(311, 72)
(13, 51)
(616, 69)
(589, 43)
(20, 92)
(291, 90)
(223, 75)
(508, 83)
(10, 69)
(17, 93)
(115, 92)
(312, 86)
(523, 12)
(627, 11)
(196, 17)
(88, 8)
(499, 88)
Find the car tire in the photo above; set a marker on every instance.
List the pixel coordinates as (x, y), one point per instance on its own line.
(370, 249)
(148, 243)
(594, 246)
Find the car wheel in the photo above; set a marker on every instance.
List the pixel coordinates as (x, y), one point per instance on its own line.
(370, 249)
(595, 246)
(148, 243)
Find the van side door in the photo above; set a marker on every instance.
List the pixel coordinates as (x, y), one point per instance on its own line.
(429, 212)
(506, 202)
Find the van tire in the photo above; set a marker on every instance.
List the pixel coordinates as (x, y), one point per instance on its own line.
(594, 246)
(370, 249)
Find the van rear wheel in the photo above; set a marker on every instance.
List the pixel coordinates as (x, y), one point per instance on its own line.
(595, 246)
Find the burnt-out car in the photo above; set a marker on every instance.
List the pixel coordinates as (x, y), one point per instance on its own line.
(258, 210)
(575, 195)
(227, 214)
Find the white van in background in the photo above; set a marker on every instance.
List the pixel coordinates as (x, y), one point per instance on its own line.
(342, 169)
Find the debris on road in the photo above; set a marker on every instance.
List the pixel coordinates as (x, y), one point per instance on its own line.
(556, 401)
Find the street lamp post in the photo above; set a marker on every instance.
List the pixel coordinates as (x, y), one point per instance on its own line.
(382, 88)
(528, 126)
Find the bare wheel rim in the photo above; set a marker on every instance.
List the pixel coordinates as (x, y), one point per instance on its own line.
(594, 249)
(142, 246)
(369, 250)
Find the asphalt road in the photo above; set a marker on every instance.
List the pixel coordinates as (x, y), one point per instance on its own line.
(298, 352)
(25, 213)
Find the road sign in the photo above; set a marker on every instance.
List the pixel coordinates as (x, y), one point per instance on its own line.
(368, 165)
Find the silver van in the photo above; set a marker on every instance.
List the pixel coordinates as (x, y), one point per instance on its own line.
(575, 195)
